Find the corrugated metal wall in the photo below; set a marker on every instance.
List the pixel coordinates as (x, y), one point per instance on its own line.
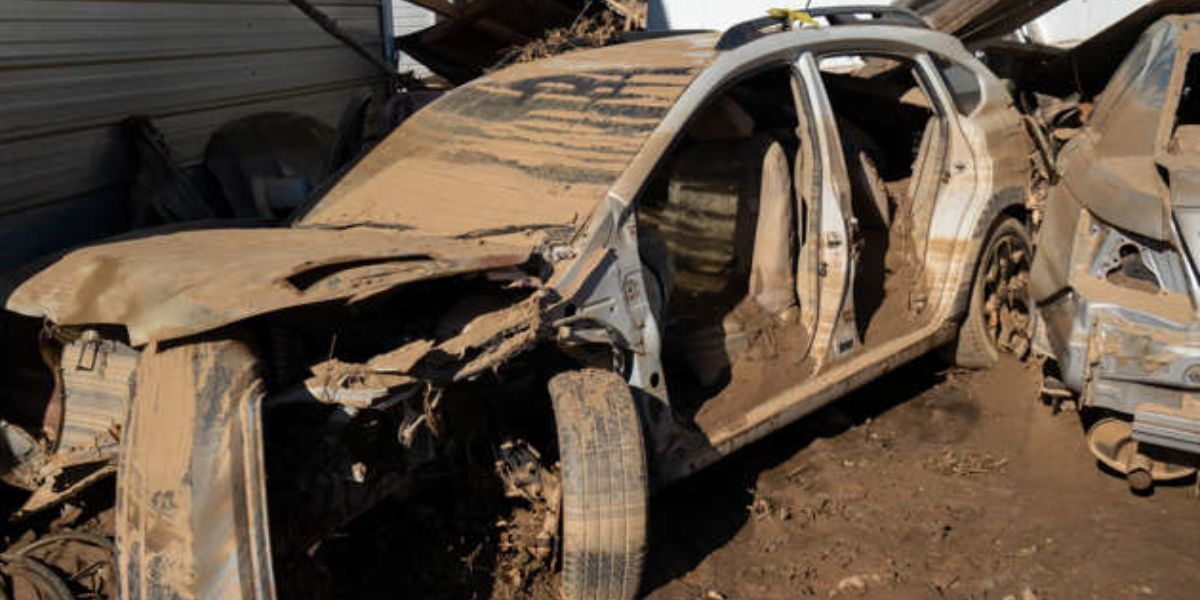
(407, 18)
(71, 69)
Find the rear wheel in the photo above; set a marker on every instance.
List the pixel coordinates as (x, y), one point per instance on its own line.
(603, 485)
(1000, 315)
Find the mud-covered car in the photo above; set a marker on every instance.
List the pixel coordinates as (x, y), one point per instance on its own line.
(1115, 274)
(577, 279)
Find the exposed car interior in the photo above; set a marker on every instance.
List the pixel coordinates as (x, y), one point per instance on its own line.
(894, 147)
(723, 232)
(718, 230)
(486, 350)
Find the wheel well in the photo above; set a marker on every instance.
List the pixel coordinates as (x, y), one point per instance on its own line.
(1016, 211)
(1012, 210)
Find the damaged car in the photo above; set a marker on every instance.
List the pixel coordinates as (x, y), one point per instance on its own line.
(577, 279)
(1115, 275)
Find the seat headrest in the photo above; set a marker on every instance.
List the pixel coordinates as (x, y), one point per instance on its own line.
(724, 121)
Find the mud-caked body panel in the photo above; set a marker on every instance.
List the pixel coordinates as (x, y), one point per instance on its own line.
(1115, 273)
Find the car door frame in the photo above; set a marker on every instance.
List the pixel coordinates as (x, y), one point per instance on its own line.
(607, 268)
(957, 178)
(832, 269)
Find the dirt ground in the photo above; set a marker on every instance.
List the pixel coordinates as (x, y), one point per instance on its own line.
(924, 485)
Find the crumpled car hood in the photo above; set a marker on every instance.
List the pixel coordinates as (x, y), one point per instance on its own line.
(170, 286)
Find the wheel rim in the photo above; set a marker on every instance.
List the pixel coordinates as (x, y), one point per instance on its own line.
(1006, 304)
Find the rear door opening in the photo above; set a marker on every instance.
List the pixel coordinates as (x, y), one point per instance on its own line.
(894, 143)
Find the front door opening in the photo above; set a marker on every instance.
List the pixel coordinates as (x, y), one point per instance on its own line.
(718, 231)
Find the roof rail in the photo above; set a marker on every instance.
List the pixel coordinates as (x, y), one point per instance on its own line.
(748, 31)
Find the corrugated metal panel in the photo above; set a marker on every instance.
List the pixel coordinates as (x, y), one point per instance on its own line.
(72, 69)
(407, 18)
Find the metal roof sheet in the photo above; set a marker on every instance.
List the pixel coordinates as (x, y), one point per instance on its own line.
(73, 69)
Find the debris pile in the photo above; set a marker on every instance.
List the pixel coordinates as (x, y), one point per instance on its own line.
(586, 32)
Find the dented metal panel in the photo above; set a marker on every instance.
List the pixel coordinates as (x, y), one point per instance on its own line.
(165, 287)
(1118, 292)
(193, 452)
(1127, 142)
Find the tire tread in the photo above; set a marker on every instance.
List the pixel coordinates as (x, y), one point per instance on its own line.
(604, 485)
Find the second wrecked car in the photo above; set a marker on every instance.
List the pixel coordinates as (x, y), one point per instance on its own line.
(1116, 268)
(601, 272)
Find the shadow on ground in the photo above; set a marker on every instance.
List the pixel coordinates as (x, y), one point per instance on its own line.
(695, 517)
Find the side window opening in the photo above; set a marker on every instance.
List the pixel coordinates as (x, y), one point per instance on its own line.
(893, 142)
(963, 85)
(717, 232)
(1121, 83)
(1185, 137)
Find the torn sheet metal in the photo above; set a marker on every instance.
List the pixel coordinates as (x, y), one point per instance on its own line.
(473, 36)
(402, 359)
(96, 383)
(490, 339)
(485, 342)
(167, 287)
(353, 385)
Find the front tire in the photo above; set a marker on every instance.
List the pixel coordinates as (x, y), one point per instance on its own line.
(603, 458)
(1000, 314)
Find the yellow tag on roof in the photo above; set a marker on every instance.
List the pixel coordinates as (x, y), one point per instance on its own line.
(792, 16)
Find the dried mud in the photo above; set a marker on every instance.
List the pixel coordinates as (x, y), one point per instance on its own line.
(924, 485)
(87, 570)
(770, 363)
(903, 279)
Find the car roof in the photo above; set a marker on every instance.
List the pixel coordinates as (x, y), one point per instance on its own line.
(538, 145)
